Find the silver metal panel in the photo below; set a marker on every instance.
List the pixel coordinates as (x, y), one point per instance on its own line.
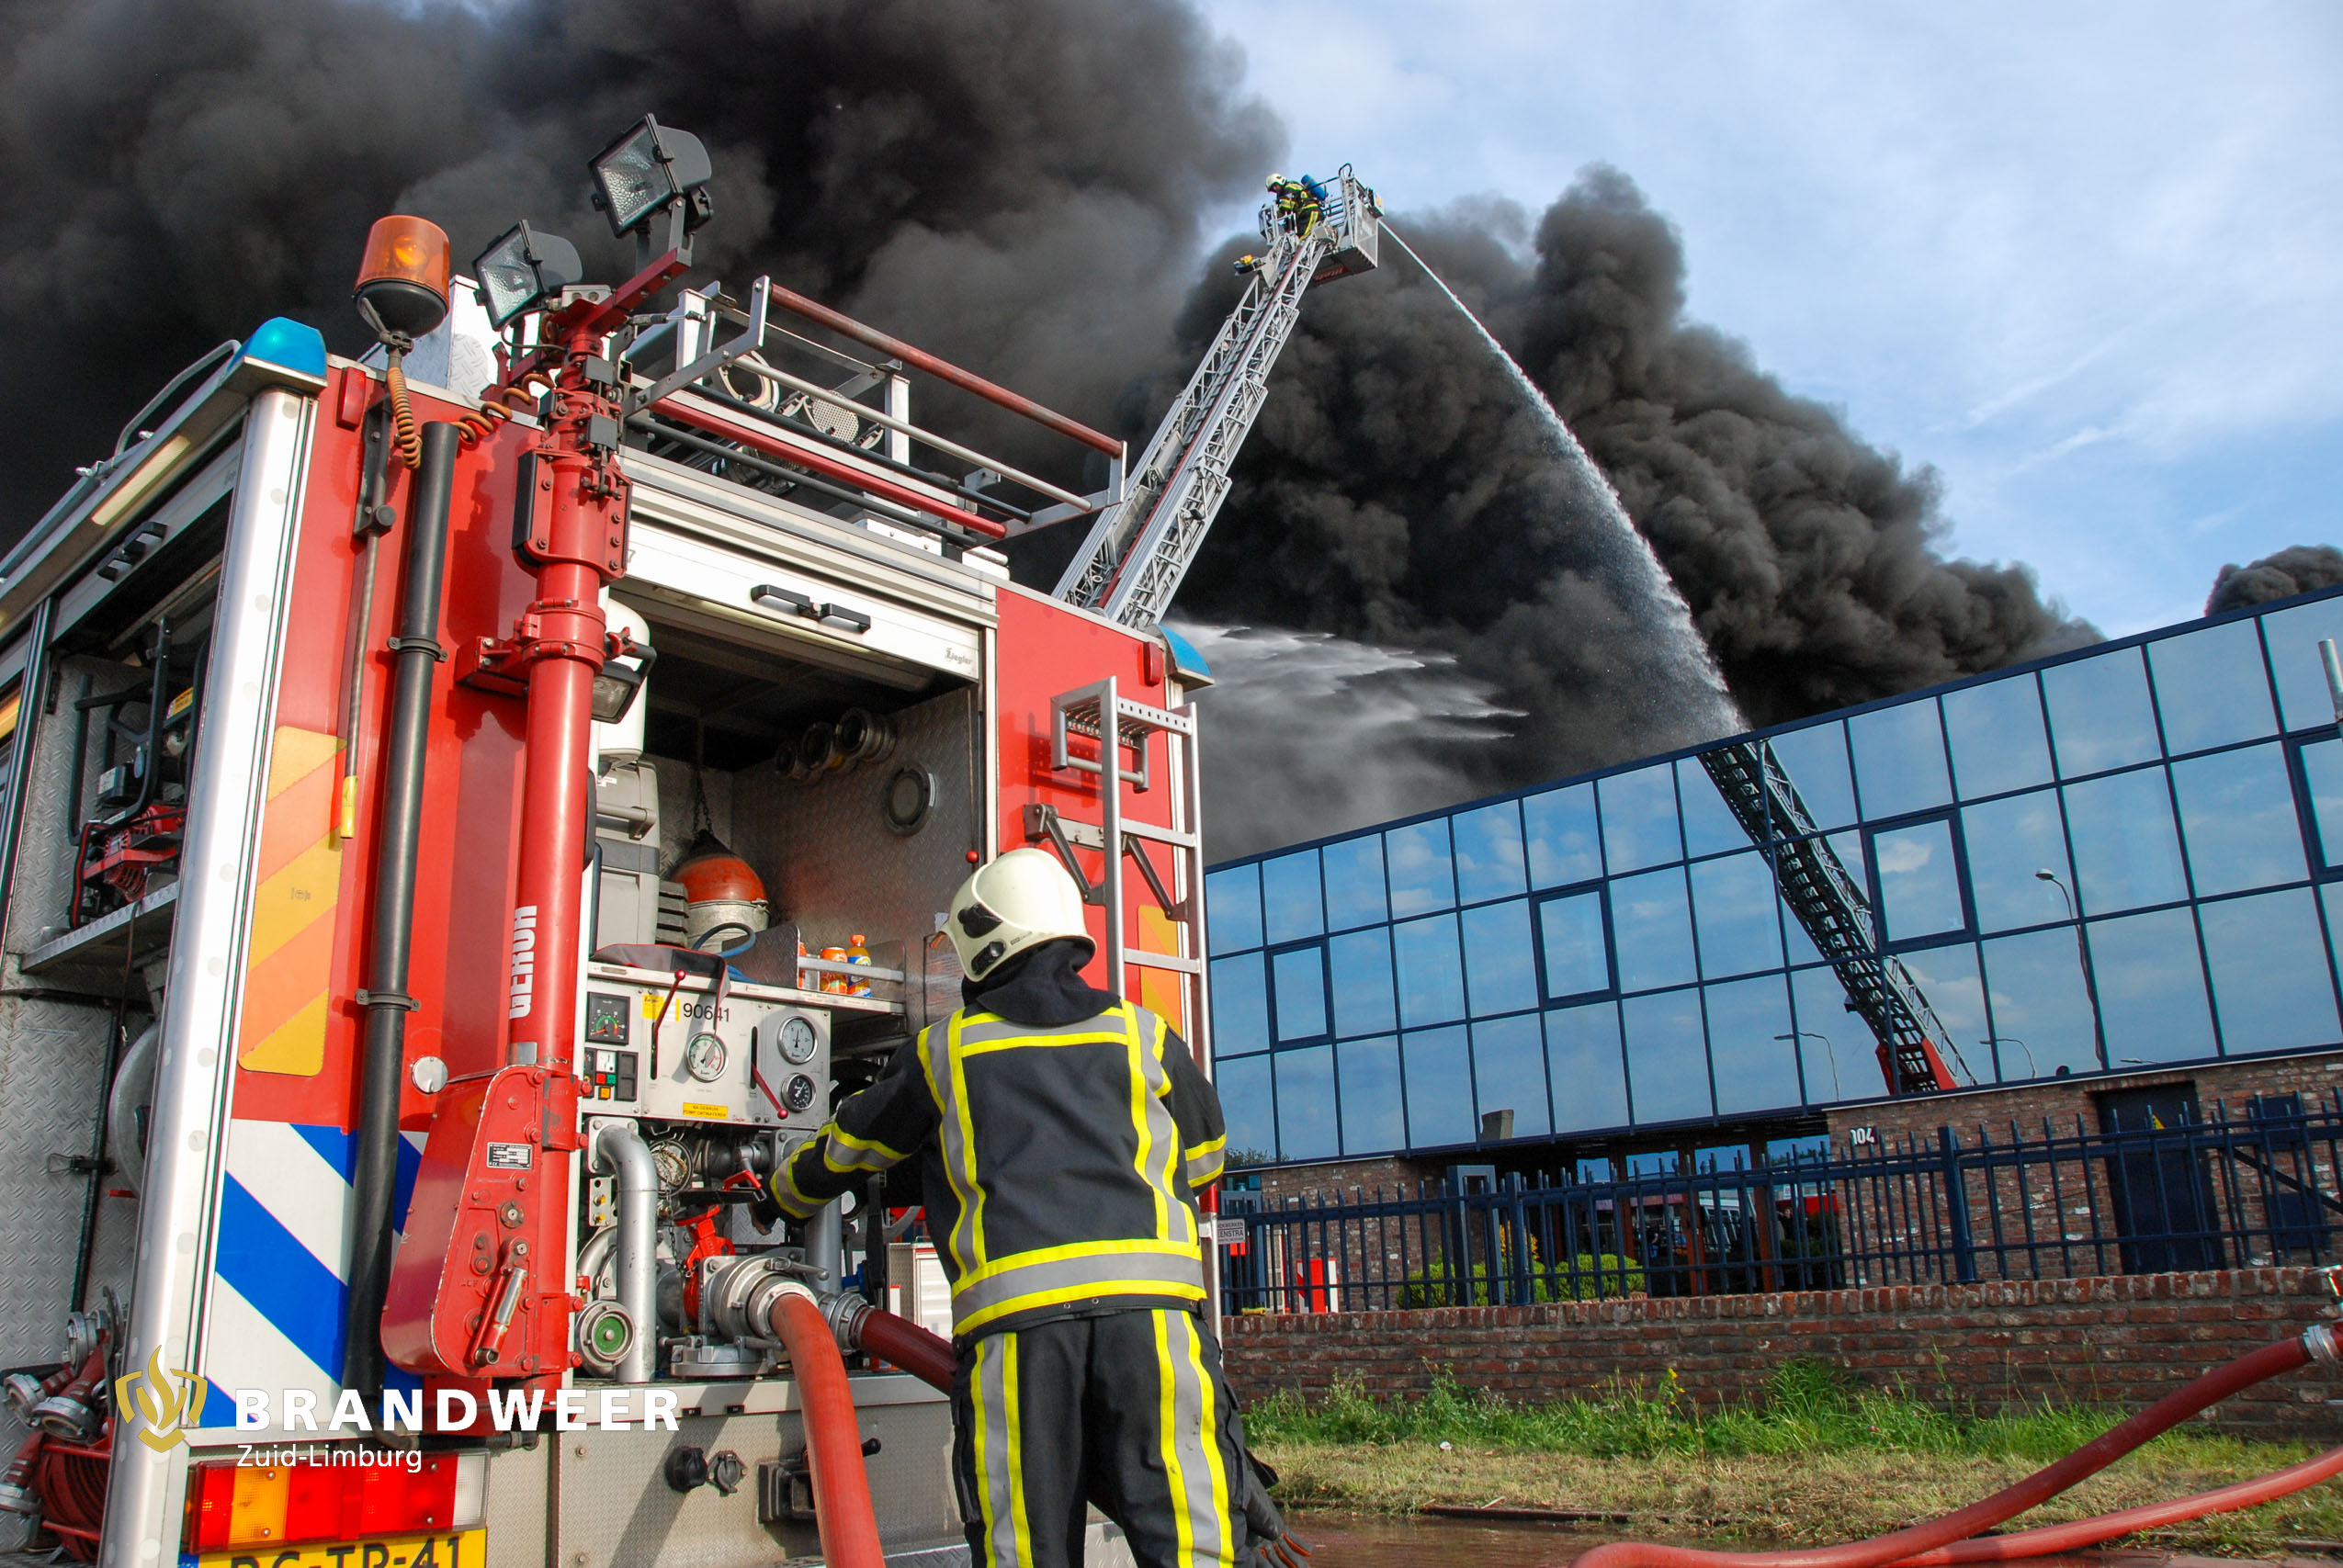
(192, 1075)
(673, 497)
(830, 862)
(613, 1510)
(174, 516)
(718, 578)
(520, 1503)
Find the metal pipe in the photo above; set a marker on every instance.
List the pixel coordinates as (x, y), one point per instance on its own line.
(776, 444)
(821, 394)
(945, 370)
(397, 845)
(619, 1147)
(901, 516)
(797, 426)
(825, 1240)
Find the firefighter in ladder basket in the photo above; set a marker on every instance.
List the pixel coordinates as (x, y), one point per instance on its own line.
(1063, 1135)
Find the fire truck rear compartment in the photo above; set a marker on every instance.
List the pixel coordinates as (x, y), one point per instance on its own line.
(870, 848)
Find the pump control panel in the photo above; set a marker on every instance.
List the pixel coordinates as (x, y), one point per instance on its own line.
(654, 1047)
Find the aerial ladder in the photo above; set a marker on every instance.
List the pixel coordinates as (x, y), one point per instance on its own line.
(1139, 548)
(1828, 901)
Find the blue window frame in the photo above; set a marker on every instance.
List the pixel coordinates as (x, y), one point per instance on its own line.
(1710, 827)
(1360, 967)
(1899, 759)
(1998, 742)
(1508, 1071)
(1653, 927)
(1489, 852)
(1232, 908)
(2239, 820)
(1667, 1056)
(1423, 877)
(1586, 1067)
(2150, 979)
(1248, 1107)
(1297, 990)
(1430, 970)
(2210, 688)
(2271, 987)
(1918, 872)
(1374, 1106)
(2126, 854)
(1291, 906)
(1240, 1005)
(1439, 1063)
(1501, 966)
(1306, 1128)
(2291, 638)
(1355, 895)
(1572, 940)
(1814, 759)
(2101, 717)
(1639, 827)
(1753, 1064)
(1736, 911)
(1564, 844)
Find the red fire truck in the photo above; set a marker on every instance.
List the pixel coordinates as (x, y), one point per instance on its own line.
(463, 811)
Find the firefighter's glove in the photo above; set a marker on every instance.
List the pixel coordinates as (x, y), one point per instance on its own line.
(1269, 1546)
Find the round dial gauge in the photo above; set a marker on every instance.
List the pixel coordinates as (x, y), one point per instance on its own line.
(704, 1058)
(798, 1040)
(799, 1092)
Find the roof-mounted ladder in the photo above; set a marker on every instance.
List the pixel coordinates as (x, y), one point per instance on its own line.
(1082, 715)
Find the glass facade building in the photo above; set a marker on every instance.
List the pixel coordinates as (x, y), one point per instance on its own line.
(2128, 856)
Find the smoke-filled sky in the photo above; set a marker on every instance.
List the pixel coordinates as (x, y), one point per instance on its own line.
(2078, 257)
(1050, 190)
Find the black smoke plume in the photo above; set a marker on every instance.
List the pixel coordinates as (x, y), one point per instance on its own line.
(1016, 185)
(2297, 569)
(1399, 489)
(1022, 184)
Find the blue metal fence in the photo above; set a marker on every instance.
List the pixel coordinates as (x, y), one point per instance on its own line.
(2216, 1190)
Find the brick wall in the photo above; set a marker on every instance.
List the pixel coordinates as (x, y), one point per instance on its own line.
(2127, 1340)
(2313, 1077)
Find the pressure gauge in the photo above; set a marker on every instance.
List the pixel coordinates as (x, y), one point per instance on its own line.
(704, 1058)
(798, 1040)
(799, 1092)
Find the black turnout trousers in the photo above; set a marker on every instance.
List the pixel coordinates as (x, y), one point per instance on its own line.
(1126, 1410)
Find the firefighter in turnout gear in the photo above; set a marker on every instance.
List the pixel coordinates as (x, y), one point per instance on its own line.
(1300, 203)
(1063, 1135)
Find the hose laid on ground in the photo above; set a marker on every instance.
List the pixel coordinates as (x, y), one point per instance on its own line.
(2316, 1342)
(2080, 1533)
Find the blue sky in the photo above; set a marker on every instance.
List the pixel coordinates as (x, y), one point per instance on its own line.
(2085, 259)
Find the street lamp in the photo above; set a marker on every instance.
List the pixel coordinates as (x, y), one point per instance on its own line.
(2034, 1070)
(1828, 1054)
(2082, 955)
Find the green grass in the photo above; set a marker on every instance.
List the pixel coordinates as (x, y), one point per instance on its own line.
(1808, 1407)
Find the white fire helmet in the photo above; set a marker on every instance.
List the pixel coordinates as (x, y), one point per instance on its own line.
(1010, 904)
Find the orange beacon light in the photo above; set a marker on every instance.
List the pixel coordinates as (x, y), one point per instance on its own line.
(402, 282)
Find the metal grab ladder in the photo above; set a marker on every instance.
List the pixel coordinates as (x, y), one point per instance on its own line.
(1139, 551)
(1820, 891)
(1082, 712)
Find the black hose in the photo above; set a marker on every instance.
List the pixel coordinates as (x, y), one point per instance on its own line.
(417, 654)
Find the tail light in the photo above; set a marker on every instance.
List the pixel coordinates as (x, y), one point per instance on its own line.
(231, 1505)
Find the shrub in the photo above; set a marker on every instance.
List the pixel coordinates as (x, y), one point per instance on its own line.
(1606, 1274)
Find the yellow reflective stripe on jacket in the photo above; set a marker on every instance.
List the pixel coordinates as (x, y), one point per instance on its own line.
(843, 1152)
(793, 1201)
(1205, 1160)
(1166, 1265)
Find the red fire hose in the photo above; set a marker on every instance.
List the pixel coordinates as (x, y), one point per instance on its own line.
(1917, 1541)
(2080, 1533)
(902, 1343)
(833, 1442)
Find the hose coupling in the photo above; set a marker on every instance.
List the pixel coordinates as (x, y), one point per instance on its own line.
(2319, 1340)
(846, 1310)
